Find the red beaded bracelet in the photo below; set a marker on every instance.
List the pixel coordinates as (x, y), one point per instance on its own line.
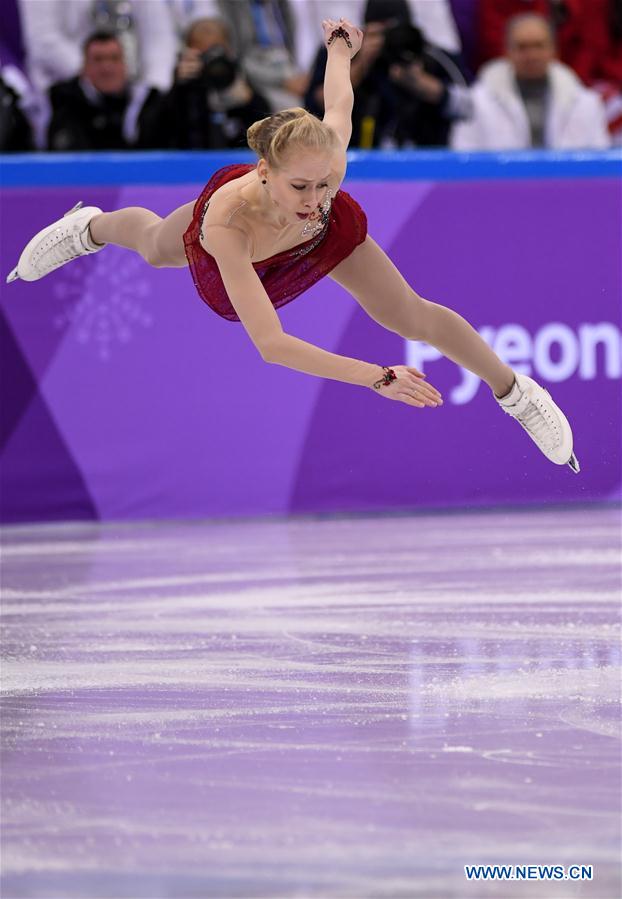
(389, 375)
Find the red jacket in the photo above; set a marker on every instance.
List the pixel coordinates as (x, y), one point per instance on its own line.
(588, 44)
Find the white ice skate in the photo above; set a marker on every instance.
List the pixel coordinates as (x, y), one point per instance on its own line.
(546, 424)
(57, 244)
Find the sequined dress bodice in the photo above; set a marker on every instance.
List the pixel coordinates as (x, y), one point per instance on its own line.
(343, 225)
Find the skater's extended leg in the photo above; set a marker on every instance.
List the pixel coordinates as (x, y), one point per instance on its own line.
(370, 276)
(374, 281)
(159, 241)
(87, 229)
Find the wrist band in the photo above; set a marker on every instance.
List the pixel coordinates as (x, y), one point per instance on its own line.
(340, 32)
(389, 375)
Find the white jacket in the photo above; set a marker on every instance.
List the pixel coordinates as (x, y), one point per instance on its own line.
(575, 117)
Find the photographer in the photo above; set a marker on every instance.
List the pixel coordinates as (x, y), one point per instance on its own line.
(427, 91)
(407, 92)
(211, 103)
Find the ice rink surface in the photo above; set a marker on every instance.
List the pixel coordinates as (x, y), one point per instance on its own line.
(312, 708)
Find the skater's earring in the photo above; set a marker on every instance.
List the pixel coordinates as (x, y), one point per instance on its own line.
(263, 181)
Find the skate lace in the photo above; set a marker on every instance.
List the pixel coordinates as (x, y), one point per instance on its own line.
(53, 251)
(538, 421)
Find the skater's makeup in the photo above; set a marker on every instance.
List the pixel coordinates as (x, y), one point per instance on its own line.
(300, 185)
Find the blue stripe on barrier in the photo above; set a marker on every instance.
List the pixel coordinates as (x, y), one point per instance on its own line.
(41, 170)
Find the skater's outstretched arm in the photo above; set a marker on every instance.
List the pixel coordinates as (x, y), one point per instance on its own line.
(248, 297)
(338, 93)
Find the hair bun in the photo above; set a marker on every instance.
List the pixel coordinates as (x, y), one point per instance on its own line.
(271, 138)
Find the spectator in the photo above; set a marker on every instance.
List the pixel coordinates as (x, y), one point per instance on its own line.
(304, 21)
(434, 18)
(211, 104)
(55, 31)
(263, 35)
(580, 27)
(184, 12)
(530, 100)
(100, 109)
(406, 92)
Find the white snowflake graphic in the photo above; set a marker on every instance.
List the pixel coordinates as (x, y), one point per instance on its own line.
(104, 305)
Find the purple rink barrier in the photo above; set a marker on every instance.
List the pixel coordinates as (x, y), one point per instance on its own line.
(126, 397)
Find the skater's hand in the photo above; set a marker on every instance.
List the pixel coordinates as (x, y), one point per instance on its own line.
(355, 36)
(410, 387)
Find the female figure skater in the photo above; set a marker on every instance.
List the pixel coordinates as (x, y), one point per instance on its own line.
(261, 234)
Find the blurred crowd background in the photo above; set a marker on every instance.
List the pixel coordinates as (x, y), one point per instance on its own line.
(194, 74)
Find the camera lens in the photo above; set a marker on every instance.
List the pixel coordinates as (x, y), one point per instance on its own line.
(219, 70)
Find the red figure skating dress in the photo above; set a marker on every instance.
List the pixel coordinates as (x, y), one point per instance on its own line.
(287, 274)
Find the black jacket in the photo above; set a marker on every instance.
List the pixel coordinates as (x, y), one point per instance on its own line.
(85, 119)
(194, 121)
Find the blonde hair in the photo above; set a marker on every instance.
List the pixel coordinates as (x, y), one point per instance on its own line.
(274, 138)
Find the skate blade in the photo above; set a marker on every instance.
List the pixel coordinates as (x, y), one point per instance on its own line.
(78, 205)
(12, 276)
(573, 463)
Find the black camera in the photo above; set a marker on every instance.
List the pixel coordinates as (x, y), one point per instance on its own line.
(219, 70)
(403, 45)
